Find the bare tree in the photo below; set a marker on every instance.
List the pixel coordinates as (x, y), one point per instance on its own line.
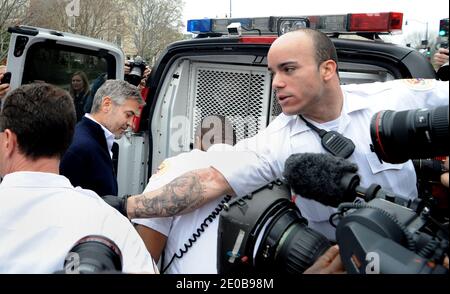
(154, 24)
(97, 18)
(12, 12)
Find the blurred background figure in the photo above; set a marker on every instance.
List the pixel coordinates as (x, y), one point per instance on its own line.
(441, 57)
(4, 87)
(79, 90)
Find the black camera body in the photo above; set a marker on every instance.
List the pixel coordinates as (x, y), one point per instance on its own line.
(383, 237)
(264, 232)
(137, 69)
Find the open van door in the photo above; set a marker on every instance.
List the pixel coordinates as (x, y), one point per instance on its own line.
(41, 55)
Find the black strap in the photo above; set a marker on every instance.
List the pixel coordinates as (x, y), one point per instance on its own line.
(333, 142)
(321, 132)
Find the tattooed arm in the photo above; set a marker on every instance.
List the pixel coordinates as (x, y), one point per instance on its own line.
(183, 195)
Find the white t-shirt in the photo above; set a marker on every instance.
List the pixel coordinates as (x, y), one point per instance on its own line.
(42, 216)
(201, 258)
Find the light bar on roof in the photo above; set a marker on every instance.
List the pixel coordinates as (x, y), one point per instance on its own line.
(345, 23)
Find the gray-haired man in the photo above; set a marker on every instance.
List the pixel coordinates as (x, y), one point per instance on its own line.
(88, 161)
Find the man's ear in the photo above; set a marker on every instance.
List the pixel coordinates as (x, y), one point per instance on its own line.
(106, 104)
(328, 69)
(9, 142)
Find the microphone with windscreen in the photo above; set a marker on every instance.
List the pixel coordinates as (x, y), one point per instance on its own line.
(330, 180)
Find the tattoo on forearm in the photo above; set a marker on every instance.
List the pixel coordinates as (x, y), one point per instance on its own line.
(183, 193)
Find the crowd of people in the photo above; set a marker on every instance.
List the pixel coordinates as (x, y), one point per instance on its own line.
(47, 163)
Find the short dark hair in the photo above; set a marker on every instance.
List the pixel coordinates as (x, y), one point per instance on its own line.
(323, 46)
(43, 118)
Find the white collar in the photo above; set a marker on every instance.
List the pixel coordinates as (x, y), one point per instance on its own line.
(108, 135)
(351, 104)
(35, 180)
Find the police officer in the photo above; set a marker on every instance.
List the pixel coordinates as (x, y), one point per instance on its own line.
(306, 80)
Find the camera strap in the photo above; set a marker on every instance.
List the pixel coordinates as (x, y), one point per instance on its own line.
(333, 142)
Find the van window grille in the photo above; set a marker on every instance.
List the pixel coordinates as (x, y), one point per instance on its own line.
(236, 93)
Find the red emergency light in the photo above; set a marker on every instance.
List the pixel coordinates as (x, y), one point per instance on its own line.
(375, 22)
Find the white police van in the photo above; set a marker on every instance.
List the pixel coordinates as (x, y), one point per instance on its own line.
(221, 71)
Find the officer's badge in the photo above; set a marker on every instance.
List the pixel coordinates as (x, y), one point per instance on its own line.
(162, 169)
(420, 84)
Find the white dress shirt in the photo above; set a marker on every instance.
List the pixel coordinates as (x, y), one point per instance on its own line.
(42, 216)
(108, 135)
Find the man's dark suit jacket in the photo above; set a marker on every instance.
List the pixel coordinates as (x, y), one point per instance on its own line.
(87, 163)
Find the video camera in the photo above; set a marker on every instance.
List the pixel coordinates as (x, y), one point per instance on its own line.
(387, 234)
(265, 232)
(137, 69)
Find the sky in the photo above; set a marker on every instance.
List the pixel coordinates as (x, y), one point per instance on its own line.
(416, 12)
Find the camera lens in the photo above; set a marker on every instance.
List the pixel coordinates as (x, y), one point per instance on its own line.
(418, 133)
(265, 233)
(97, 254)
(289, 245)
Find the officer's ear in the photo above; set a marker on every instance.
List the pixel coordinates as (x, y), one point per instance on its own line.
(327, 69)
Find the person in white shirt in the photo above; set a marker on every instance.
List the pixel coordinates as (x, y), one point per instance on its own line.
(306, 81)
(42, 215)
(189, 241)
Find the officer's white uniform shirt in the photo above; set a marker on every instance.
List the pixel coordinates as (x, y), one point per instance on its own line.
(42, 216)
(201, 257)
(262, 157)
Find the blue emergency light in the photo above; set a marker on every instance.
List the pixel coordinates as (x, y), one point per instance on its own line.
(198, 26)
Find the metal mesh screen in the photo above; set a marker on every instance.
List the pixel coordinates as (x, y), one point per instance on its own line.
(237, 94)
(276, 108)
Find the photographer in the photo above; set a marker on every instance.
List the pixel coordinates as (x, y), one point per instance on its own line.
(43, 215)
(4, 87)
(306, 81)
(134, 77)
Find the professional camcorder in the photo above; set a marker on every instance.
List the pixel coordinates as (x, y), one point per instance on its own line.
(94, 254)
(377, 232)
(137, 69)
(265, 232)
